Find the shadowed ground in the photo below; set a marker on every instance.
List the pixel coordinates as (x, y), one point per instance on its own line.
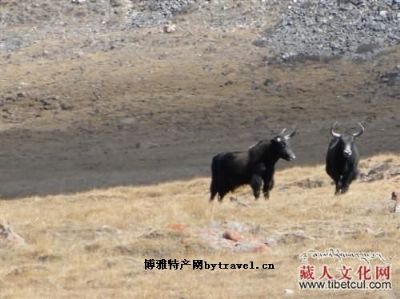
(141, 106)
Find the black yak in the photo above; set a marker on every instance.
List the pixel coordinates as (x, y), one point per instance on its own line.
(342, 159)
(254, 167)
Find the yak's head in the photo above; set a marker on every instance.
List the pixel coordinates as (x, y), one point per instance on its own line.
(346, 140)
(282, 147)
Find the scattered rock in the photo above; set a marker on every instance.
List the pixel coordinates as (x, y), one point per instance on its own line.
(66, 106)
(238, 203)
(157, 12)
(48, 258)
(106, 229)
(292, 237)
(177, 226)
(253, 247)
(396, 198)
(169, 28)
(268, 82)
(232, 235)
(390, 78)
(127, 121)
(11, 43)
(288, 292)
(50, 103)
(9, 238)
(307, 183)
(380, 171)
(271, 241)
(237, 226)
(116, 3)
(21, 94)
(92, 247)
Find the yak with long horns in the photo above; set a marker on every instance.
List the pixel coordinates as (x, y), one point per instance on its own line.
(254, 167)
(342, 158)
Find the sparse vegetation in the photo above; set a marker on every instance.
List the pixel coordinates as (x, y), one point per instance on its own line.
(93, 244)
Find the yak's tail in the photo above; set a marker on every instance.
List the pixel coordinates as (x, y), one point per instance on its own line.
(214, 178)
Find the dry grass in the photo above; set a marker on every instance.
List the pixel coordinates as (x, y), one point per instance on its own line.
(93, 244)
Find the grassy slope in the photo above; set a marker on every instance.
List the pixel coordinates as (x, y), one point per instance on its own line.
(93, 244)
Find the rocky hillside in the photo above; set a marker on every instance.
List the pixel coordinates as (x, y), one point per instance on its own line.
(304, 29)
(334, 28)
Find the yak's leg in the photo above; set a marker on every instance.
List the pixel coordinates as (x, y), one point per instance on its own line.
(222, 193)
(347, 179)
(268, 181)
(221, 196)
(213, 189)
(256, 182)
(338, 187)
(268, 185)
(335, 177)
(339, 184)
(266, 190)
(352, 176)
(345, 186)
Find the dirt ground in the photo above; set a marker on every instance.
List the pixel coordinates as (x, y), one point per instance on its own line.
(155, 107)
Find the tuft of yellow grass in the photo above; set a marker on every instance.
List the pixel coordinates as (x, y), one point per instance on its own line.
(93, 244)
